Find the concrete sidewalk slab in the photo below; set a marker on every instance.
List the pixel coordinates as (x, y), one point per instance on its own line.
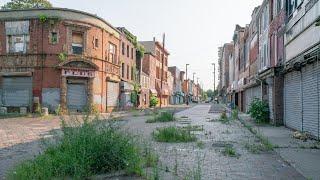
(304, 156)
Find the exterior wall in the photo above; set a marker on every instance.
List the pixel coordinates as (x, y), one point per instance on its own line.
(153, 61)
(127, 69)
(41, 58)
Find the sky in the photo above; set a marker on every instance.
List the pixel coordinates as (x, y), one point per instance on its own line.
(194, 28)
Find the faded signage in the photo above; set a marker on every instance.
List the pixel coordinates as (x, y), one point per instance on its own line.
(78, 73)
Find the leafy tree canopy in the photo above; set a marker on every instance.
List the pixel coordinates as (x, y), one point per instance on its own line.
(27, 4)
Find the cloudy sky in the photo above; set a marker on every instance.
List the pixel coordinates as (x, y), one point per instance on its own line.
(194, 28)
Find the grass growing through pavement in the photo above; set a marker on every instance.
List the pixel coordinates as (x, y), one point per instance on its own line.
(85, 150)
(264, 143)
(229, 151)
(162, 117)
(193, 128)
(173, 135)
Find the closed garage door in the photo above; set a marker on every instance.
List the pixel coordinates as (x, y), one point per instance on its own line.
(17, 91)
(112, 94)
(292, 98)
(76, 97)
(310, 99)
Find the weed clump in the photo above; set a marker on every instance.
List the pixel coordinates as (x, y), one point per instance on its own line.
(162, 117)
(173, 135)
(84, 150)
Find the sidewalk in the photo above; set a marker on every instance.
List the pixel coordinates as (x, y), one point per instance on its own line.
(303, 156)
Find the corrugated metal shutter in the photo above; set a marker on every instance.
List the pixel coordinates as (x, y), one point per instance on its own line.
(17, 91)
(310, 99)
(270, 96)
(292, 98)
(51, 98)
(251, 94)
(113, 94)
(76, 97)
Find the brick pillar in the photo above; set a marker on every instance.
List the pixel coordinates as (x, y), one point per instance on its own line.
(63, 94)
(278, 99)
(90, 91)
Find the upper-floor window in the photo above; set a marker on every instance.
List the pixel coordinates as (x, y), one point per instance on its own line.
(18, 38)
(112, 53)
(122, 70)
(123, 48)
(132, 73)
(96, 42)
(77, 42)
(292, 5)
(128, 72)
(128, 51)
(131, 53)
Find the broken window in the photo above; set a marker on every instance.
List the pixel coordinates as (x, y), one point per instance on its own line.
(53, 37)
(17, 33)
(77, 43)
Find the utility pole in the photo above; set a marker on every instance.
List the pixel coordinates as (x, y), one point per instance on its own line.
(162, 67)
(187, 93)
(214, 77)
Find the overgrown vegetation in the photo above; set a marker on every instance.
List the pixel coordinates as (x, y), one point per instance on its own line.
(223, 118)
(229, 151)
(193, 128)
(259, 111)
(62, 56)
(235, 114)
(154, 101)
(87, 149)
(173, 135)
(262, 146)
(165, 116)
(43, 18)
(27, 4)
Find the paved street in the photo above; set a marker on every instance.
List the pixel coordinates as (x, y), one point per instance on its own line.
(214, 165)
(20, 140)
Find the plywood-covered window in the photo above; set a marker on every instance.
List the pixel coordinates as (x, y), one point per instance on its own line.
(77, 42)
(18, 38)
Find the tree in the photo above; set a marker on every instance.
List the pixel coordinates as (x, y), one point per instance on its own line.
(27, 4)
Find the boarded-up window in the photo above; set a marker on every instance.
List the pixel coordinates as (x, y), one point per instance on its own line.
(18, 38)
(77, 43)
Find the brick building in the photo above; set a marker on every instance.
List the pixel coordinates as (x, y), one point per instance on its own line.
(178, 78)
(128, 67)
(58, 57)
(155, 65)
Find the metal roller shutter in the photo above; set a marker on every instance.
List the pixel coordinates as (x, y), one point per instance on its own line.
(76, 97)
(17, 91)
(251, 94)
(292, 98)
(270, 94)
(310, 99)
(113, 94)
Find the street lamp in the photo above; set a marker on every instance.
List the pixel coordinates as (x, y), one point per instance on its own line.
(214, 77)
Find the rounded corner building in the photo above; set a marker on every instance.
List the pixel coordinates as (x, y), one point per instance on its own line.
(58, 58)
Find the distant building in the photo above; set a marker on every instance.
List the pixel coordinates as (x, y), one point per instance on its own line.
(155, 65)
(178, 77)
